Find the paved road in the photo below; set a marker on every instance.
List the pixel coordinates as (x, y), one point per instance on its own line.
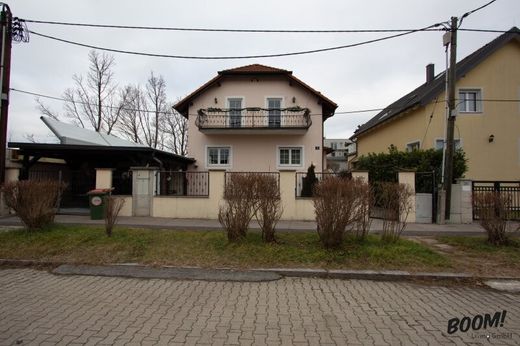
(41, 308)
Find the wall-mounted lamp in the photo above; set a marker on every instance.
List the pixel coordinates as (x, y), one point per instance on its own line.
(216, 101)
(293, 99)
(491, 138)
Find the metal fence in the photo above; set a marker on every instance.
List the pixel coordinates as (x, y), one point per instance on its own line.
(304, 184)
(182, 183)
(250, 118)
(229, 175)
(508, 189)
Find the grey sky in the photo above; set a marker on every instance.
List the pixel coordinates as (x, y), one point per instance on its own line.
(364, 77)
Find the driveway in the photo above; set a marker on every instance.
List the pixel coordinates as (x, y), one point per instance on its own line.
(39, 308)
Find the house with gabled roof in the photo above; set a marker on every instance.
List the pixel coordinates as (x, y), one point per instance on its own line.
(256, 118)
(488, 116)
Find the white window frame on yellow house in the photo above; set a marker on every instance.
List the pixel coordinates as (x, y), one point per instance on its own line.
(411, 147)
(219, 148)
(290, 165)
(465, 102)
(458, 143)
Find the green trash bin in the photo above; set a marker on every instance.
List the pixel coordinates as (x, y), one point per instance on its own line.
(97, 200)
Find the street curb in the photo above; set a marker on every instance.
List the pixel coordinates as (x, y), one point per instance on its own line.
(342, 274)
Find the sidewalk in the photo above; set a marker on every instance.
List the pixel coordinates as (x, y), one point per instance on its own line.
(412, 229)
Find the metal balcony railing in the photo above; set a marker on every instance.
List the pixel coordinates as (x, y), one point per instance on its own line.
(254, 118)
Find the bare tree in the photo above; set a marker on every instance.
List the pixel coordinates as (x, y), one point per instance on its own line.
(175, 128)
(93, 100)
(156, 92)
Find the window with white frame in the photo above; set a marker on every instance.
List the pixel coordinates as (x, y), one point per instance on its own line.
(235, 111)
(218, 156)
(413, 146)
(470, 101)
(290, 156)
(439, 144)
(274, 105)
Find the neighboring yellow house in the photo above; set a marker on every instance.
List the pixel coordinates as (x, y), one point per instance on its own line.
(488, 119)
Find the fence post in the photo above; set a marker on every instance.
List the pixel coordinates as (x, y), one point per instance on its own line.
(408, 179)
(103, 178)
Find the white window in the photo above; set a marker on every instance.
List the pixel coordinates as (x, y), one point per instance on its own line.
(413, 146)
(290, 156)
(274, 105)
(235, 111)
(334, 145)
(470, 101)
(218, 156)
(439, 144)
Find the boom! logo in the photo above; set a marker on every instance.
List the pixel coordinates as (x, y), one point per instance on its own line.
(477, 322)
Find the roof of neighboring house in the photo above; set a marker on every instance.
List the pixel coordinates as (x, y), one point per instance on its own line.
(182, 106)
(425, 93)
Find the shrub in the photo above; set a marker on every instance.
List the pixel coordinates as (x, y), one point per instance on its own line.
(113, 207)
(268, 206)
(240, 205)
(394, 199)
(492, 211)
(365, 201)
(337, 204)
(385, 166)
(308, 182)
(34, 201)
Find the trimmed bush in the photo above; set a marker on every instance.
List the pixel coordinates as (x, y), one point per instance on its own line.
(240, 205)
(268, 206)
(340, 203)
(34, 201)
(394, 199)
(493, 208)
(113, 207)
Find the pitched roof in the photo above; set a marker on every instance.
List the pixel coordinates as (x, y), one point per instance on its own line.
(182, 106)
(255, 68)
(425, 93)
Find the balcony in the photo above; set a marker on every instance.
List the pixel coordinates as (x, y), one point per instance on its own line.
(250, 120)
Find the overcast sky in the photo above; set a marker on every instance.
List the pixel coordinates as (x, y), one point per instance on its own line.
(370, 76)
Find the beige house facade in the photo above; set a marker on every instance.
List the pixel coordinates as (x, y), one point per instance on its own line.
(488, 117)
(256, 118)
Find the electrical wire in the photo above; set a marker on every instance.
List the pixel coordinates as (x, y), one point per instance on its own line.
(194, 114)
(473, 11)
(268, 31)
(232, 57)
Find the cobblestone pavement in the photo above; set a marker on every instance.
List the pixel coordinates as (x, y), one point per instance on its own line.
(44, 309)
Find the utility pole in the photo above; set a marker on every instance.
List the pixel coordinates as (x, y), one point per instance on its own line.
(448, 165)
(5, 72)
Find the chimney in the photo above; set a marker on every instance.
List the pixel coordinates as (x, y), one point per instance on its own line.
(430, 72)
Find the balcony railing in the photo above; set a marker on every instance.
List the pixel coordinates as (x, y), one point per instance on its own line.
(253, 118)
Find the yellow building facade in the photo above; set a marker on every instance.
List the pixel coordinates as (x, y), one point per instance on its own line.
(487, 125)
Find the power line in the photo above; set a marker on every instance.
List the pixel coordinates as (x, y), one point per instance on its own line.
(473, 11)
(85, 103)
(162, 112)
(269, 31)
(233, 57)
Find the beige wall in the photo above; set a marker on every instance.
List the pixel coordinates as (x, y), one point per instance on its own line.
(257, 152)
(499, 78)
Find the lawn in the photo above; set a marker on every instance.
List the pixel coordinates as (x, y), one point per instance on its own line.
(480, 257)
(84, 244)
